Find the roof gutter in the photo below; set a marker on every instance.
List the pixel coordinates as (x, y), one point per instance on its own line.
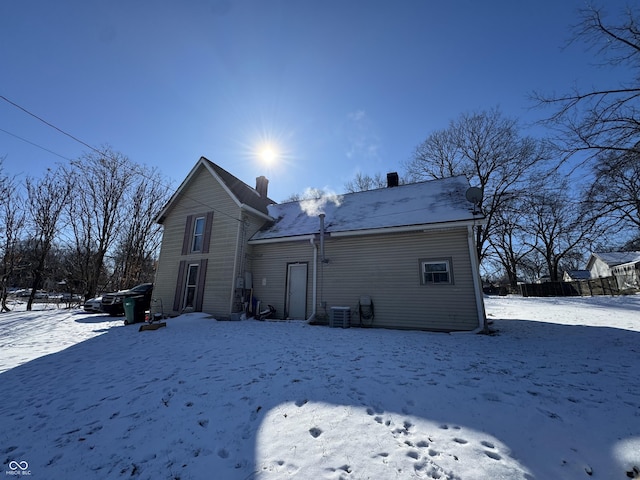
(407, 228)
(257, 213)
(296, 238)
(374, 231)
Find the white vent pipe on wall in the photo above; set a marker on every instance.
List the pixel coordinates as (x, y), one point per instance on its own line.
(312, 317)
(322, 258)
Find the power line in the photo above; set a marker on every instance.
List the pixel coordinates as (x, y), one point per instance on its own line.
(35, 144)
(49, 124)
(135, 169)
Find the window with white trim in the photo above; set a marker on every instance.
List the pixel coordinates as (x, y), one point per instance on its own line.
(191, 285)
(434, 272)
(198, 234)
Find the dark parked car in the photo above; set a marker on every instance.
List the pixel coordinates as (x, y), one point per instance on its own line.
(112, 302)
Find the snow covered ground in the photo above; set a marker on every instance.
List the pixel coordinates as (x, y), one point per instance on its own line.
(554, 395)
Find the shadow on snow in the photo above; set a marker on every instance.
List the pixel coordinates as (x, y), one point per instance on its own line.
(195, 397)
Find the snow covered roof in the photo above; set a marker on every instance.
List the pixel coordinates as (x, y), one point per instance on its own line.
(579, 274)
(618, 258)
(417, 204)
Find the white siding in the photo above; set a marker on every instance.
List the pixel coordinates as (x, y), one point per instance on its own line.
(600, 269)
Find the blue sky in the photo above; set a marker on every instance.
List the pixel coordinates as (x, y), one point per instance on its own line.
(338, 86)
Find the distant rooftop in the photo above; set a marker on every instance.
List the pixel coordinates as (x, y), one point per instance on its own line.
(618, 258)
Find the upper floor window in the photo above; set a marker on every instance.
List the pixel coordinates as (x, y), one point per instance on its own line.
(435, 271)
(198, 234)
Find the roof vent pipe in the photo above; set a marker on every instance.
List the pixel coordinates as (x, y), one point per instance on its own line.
(322, 259)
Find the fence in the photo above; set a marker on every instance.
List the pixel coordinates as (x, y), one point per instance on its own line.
(597, 286)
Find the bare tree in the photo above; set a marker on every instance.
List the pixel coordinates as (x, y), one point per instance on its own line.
(309, 193)
(365, 182)
(12, 222)
(510, 239)
(46, 200)
(556, 223)
(615, 192)
(604, 119)
(140, 237)
(99, 209)
(532, 266)
(488, 149)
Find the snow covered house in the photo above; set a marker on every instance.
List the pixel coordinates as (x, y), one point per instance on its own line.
(602, 264)
(410, 249)
(624, 266)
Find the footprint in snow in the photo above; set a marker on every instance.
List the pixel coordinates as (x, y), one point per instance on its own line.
(344, 468)
(493, 455)
(413, 454)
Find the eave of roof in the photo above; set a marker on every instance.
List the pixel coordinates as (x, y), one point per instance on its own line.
(430, 227)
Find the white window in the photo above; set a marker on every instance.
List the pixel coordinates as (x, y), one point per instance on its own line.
(435, 272)
(192, 284)
(198, 235)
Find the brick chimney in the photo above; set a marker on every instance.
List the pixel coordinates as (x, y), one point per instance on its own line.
(262, 185)
(392, 179)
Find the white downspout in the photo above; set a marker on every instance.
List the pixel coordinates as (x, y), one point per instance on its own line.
(477, 286)
(315, 280)
(322, 259)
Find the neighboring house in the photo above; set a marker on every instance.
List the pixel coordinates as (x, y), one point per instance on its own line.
(628, 274)
(409, 248)
(601, 264)
(624, 266)
(575, 275)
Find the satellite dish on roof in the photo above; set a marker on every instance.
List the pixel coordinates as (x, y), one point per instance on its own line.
(474, 195)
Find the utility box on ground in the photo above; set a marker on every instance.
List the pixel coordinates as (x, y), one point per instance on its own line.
(340, 317)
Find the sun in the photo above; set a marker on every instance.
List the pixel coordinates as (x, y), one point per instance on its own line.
(268, 153)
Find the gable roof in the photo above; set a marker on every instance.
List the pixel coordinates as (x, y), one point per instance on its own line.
(578, 274)
(243, 195)
(409, 207)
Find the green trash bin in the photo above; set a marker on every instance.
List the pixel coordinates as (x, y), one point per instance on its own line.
(133, 310)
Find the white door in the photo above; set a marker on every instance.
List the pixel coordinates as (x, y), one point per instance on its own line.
(297, 291)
